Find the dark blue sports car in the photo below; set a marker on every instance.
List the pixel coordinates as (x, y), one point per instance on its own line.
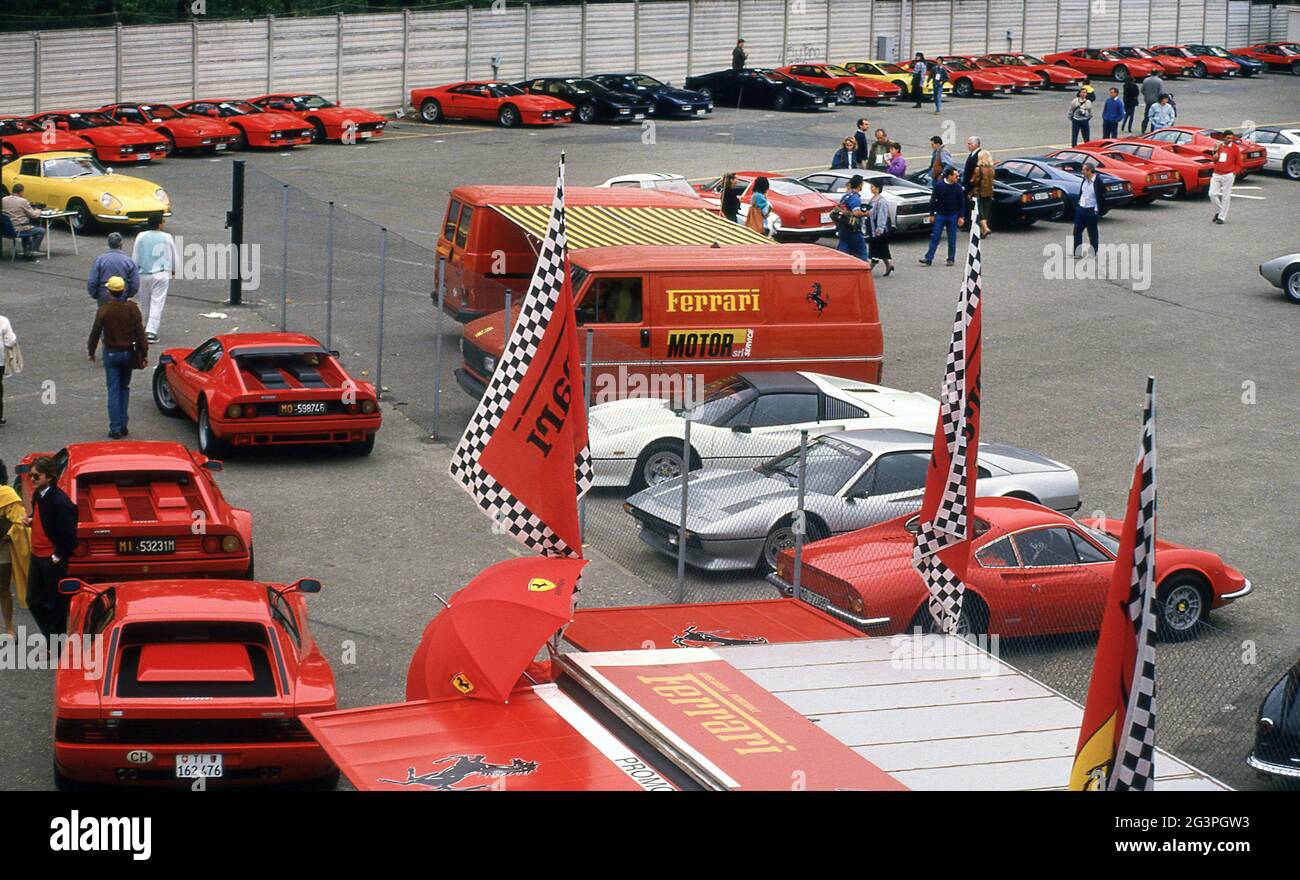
(668, 101)
(1049, 171)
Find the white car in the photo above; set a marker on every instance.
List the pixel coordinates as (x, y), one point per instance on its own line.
(1284, 273)
(909, 203)
(661, 181)
(1283, 148)
(741, 421)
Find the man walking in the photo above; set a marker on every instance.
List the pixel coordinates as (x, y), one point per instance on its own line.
(1152, 88)
(848, 220)
(125, 349)
(1130, 102)
(1227, 165)
(938, 76)
(53, 522)
(947, 202)
(1091, 206)
(940, 159)
(972, 159)
(863, 144)
(1080, 118)
(21, 214)
(155, 256)
(1112, 114)
(919, 69)
(112, 263)
(738, 56)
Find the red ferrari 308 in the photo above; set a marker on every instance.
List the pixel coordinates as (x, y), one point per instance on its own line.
(1033, 572)
(266, 389)
(168, 682)
(148, 509)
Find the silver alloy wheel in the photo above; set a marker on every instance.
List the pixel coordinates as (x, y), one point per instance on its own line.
(846, 94)
(430, 111)
(205, 432)
(1293, 286)
(1291, 167)
(778, 539)
(164, 390)
(661, 467)
(587, 112)
(1181, 609)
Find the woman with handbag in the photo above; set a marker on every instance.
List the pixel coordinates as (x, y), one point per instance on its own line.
(759, 218)
(981, 189)
(15, 550)
(880, 223)
(126, 348)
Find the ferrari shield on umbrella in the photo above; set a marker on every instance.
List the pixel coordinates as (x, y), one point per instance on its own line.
(524, 456)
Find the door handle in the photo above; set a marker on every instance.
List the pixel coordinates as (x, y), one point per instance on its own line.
(645, 338)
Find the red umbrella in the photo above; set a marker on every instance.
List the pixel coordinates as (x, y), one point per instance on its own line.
(491, 629)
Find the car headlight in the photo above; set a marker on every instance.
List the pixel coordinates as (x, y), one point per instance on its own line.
(161, 195)
(490, 363)
(110, 201)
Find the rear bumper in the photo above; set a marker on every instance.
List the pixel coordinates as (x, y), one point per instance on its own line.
(279, 432)
(233, 565)
(469, 383)
(243, 763)
(820, 602)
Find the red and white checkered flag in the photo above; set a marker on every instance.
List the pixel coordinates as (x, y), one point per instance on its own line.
(943, 537)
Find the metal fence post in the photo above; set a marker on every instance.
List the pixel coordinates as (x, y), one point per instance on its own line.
(1227, 19)
(871, 30)
(1205, 12)
(329, 278)
(1119, 20)
(441, 291)
(586, 389)
(687, 416)
(117, 62)
(406, 53)
(988, 16)
(270, 51)
(582, 40)
(528, 15)
(194, 61)
(505, 331)
(1024, 23)
(36, 71)
(902, 13)
(235, 222)
(952, 16)
(469, 37)
(829, 4)
(785, 27)
(284, 257)
(1056, 41)
(1178, 16)
(1087, 27)
(338, 57)
(383, 287)
(690, 30)
(1150, 6)
(740, 19)
(801, 525)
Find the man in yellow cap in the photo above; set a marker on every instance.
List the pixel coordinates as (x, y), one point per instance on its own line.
(119, 324)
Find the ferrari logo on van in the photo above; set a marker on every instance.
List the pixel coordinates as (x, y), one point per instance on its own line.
(540, 585)
(819, 300)
(708, 343)
(462, 683)
(739, 299)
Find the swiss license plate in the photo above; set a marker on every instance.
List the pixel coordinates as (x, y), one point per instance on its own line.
(303, 408)
(199, 766)
(221, 146)
(145, 546)
(826, 218)
(927, 219)
(1041, 197)
(638, 116)
(364, 134)
(701, 112)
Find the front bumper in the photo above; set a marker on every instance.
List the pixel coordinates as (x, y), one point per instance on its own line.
(131, 218)
(705, 554)
(469, 383)
(821, 603)
(1246, 590)
(1271, 768)
(243, 763)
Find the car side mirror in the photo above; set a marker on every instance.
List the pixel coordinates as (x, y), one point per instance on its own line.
(334, 353)
(214, 465)
(302, 585)
(22, 469)
(70, 586)
(166, 360)
(741, 429)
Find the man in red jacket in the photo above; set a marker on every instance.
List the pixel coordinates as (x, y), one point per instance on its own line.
(1227, 165)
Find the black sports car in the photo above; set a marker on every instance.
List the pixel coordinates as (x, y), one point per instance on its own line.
(591, 100)
(1277, 732)
(1017, 200)
(668, 101)
(761, 87)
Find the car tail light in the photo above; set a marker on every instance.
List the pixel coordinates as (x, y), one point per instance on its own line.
(1026, 199)
(250, 410)
(231, 544)
(211, 544)
(82, 548)
(369, 407)
(1151, 178)
(85, 730)
(233, 411)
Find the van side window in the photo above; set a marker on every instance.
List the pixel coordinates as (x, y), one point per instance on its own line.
(449, 225)
(462, 228)
(611, 301)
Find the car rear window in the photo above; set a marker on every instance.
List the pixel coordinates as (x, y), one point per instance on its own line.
(462, 228)
(449, 225)
(248, 636)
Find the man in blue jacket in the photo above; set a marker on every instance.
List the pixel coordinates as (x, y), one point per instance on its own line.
(112, 262)
(947, 202)
(1112, 114)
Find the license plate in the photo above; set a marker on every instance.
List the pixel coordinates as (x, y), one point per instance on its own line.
(145, 546)
(143, 158)
(826, 218)
(701, 112)
(925, 220)
(221, 146)
(199, 766)
(1039, 197)
(638, 116)
(305, 408)
(364, 134)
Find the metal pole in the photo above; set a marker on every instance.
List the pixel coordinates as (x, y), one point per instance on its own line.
(36, 72)
(582, 41)
(1227, 19)
(871, 31)
(586, 387)
(952, 15)
(117, 62)
(469, 36)
(270, 51)
(235, 222)
(1056, 41)
(440, 292)
(1119, 20)
(1150, 6)
(785, 27)
(687, 415)
(284, 257)
(1178, 16)
(383, 286)
(829, 4)
(528, 14)
(1205, 11)
(988, 15)
(406, 51)
(338, 58)
(194, 61)
(1087, 32)
(329, 278)
(800, 525)
(911, 33)
(505, 331)
(636, 35)
(902, 11)
(1024, 21)
(690, 30)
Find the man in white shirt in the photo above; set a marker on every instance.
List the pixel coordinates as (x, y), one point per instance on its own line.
(1090, 207)
(155, 254)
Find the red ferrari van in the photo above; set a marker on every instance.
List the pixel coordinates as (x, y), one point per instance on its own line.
(487, 251)
(660, 313)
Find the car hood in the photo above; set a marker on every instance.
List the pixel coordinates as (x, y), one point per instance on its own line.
(121, 134)
(618, 417)
(674, 94)
(270, 120)
(345, 114)
(719, 499)
(1014, 460)
(132, 191)
(197, 125)
(31, 142)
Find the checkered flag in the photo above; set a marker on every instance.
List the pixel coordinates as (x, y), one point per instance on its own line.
(524, 455)
(942, 540)
(1133, 769)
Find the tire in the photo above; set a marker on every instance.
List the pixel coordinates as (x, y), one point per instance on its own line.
(1291, 166)
(430, 111)
(1181, 605)
(84, 220)
(1120, 73)
(1199, 71)
(364, 447)
(782, 537)
(974, 620)
(162, 393)
(962, 88)
(508, 116)
(781, 102)
(1047, 80)
(660, 462)
(250, 573)
(586, 112)
(706, 92)
(904, 87)
(209, 444)
(241, 140)
(1291, 284)
(318, 135)
(1295, 68)
(845, 95)
(171, 141)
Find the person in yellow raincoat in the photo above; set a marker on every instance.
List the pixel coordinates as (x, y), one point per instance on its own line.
(15, 550)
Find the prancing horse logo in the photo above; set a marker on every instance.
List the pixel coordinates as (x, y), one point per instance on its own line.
(695, 638)
(819, 301)
(465, 767)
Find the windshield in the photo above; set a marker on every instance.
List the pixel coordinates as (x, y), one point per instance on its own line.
(18, 126)
(1110, 542)
(1011, 61)
(834, 70)
(78, 121)
(958, 63)
(161, 111)
(1109, 56)
(896, 68)
(648, 82)
(1289, 49)
(310, 102)
(787, 187)
(984, 62)
(73, 166)
(503, 90)
(721, 398)
(1216, 51)
(830, 465)
(778, 75)
(590, 85)
(1033, 59)
(237, 108)
(676, 185)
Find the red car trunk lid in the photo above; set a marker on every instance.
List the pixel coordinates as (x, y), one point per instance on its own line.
(194, 661)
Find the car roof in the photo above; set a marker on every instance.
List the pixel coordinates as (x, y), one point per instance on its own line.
(574, 196)
(58, 154)
(251, 340)
(696, 257)
(128, 455)
(780, 382)
(190, 600)
(1014, 514)
(878, 440)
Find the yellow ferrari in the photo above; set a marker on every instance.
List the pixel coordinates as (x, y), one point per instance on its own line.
(71, 181)
(887, 71)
